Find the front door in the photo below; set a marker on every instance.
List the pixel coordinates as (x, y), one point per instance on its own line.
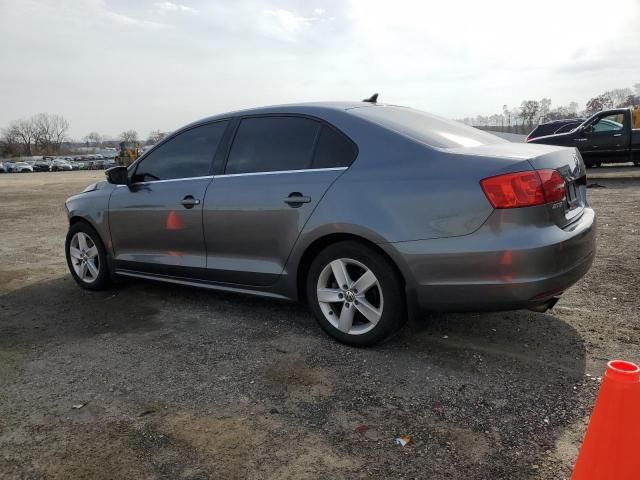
(156, 222)
(278, 169)
(606, 139)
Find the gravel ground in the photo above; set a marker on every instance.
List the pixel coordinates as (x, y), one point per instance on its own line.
(185, 383)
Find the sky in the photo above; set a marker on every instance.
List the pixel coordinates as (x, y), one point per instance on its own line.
(115, 65)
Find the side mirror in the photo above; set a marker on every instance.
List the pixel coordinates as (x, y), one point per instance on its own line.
(117, 175)
(587, 129)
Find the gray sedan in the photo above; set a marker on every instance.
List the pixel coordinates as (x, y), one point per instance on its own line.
(367, 212)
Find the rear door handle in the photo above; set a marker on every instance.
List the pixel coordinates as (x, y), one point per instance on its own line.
(296, 199)
(190, 202)
(617, 135)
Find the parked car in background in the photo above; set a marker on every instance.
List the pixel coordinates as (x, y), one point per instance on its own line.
(60, 165)
(606, 137)
(98, 165)
(21, 167)
(41, 166)
(555, 126)
(363, 211)
(3, 167)
(74, 165)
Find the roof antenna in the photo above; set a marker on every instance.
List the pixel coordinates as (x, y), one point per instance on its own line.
(372, 99)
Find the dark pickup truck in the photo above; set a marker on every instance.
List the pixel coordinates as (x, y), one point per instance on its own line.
(606, 137)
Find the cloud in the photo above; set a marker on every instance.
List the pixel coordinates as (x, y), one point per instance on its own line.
(285, 23)
(127, 20)
(165, 7)
(454, 58)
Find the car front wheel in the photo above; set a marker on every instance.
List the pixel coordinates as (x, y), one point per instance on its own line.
(356, 294)
(86, 257)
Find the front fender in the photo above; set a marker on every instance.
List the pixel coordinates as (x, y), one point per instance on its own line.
(93, 208)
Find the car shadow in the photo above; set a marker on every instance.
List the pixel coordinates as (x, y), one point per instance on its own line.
(489, 391)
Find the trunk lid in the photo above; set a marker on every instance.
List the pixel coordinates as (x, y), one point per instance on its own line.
(566, 160)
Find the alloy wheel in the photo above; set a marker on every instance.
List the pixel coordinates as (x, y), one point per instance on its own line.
(84, 257)
(350, 296)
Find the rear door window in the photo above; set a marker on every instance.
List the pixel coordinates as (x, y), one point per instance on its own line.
(189, 154)
(271, 144)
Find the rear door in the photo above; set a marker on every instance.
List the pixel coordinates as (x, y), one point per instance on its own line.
(156, 223)
(606, 138)
(278, 169)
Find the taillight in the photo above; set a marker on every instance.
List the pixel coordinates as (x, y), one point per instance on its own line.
(552, 185)
(524, 189)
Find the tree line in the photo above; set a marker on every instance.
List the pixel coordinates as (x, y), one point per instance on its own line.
(47, 134)
(533, 112)
(42, 133)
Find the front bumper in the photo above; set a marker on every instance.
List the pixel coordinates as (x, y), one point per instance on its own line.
(502, 266)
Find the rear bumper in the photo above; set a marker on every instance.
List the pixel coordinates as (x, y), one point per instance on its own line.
(502, 266)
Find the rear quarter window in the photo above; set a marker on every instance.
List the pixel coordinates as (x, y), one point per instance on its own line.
(333, 150)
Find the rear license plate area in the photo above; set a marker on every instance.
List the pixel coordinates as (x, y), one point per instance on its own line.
(572, 195)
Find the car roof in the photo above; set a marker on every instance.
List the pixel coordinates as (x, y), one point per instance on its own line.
(309, 108)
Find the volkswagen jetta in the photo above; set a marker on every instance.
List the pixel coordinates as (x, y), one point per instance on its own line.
(367, 212)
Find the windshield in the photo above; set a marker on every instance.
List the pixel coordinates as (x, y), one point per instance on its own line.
(428, 129)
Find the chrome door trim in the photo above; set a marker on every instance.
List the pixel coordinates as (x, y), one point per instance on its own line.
(278, 172)
(169, 180)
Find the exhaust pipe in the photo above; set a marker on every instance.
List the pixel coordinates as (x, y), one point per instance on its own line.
(542, 307)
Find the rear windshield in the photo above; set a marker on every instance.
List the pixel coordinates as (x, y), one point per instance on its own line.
(428, 129)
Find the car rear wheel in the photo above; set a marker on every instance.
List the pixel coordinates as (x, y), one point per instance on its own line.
(86, 257)
(356, 294)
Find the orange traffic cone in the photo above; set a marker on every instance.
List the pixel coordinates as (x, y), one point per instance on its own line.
(610, 447)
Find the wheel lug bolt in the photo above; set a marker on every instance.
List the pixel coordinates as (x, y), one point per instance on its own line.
(340, 295)
(344, 286)
(355, 302)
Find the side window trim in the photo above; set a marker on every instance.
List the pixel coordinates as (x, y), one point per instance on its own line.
(235, 125)
(280, 172)
(134, 166)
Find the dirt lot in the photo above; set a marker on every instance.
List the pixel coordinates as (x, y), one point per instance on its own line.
(194, 384)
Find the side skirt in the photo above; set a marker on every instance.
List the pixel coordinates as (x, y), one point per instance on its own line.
(200, 284)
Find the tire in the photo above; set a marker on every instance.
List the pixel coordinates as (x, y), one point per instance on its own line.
(79, 263)
(382, 299)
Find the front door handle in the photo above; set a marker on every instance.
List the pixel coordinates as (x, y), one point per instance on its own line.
(190, 202)
(296, 199)
(617, 135)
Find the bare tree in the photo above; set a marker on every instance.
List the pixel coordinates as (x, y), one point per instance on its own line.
(93, 138)
(618, 95)
(630, 101)
(573, 109)
(599, 103)
(155, 136)
(9, 143)
(545, 108)
(25, 131)
(129, 136)
(59, 129)
(507, 113)
(528, 110)
(50, 131)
